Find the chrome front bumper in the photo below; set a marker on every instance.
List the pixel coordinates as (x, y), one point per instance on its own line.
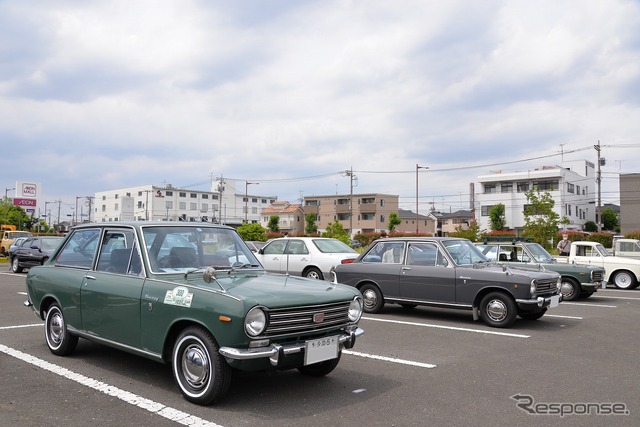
(275, 352)
(539, 301)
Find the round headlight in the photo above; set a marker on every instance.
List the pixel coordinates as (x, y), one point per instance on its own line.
(559, 283)
(255, 322)
(355, 309)
(533, 287)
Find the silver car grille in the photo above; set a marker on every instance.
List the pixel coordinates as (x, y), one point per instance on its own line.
(301, 320)
(546, 286)
(597, 276)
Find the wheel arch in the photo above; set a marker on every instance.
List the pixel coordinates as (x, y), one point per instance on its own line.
(306, 269)
(174, 331)
(481, 294)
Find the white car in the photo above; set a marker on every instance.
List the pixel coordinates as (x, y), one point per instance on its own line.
(313, 257)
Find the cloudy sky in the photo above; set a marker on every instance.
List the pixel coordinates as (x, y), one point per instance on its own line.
(100, 95)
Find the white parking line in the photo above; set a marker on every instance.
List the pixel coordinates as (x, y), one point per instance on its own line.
(605, 296)
(133, 399)
(563, 317)
(20, 326)
(389, 359)
(589, 305)
(452, 328)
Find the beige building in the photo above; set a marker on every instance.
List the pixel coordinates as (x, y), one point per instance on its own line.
(291, 217)
(370, 212)
(629, 202)
(409, 219)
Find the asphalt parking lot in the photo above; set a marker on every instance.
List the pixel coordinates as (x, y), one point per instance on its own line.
(578, 365)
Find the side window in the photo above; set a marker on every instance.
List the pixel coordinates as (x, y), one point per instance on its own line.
(394, 253)
(80, 249)
(119, 253)
(375, 254)
(275, 248)
(297, 247)
(426, 254)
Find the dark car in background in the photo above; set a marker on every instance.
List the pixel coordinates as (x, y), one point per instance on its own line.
(448, 273)
(33, 251)
(578, 280)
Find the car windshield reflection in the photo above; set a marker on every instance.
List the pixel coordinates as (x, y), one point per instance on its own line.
(464, 252)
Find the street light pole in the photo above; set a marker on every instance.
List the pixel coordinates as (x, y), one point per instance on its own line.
(246, 199)
(418, 168)
(6, 198)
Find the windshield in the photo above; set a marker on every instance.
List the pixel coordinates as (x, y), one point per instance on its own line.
(539, 253)
(183, 248)
(464, 252)
(602, 250)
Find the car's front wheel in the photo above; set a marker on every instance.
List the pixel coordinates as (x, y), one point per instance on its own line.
(624, 280)
(201, 372)
(59, 340)
(570, 289)
(15, 265)
(497, 309)
(320, 369)
(372, 298)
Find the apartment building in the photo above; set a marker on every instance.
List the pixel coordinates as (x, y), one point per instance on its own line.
(358, 213)
(572, 187)
(155, 203)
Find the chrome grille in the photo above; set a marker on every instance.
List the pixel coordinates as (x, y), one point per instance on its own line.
(299, 320)
(597, 276)
(547, 286)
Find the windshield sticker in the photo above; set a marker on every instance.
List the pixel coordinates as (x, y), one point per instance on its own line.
(178, 296)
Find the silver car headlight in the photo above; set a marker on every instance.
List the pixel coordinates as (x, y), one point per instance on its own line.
(355, 309)
(533, 287)
(255, 322)
(559, 284)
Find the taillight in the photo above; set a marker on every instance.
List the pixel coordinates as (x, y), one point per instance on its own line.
(347, 261)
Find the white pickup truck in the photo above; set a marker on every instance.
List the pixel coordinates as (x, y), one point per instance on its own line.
(622, 272)
(629, 248)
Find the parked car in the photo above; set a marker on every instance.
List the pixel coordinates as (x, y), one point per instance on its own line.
(622, 272)
(577, 280)
(313, 257)
(255, 245)
(16, 244)
(448, 273)
(33, 251)
(175, 293)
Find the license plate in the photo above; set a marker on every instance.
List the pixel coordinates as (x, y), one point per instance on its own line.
(604, 285)
(320, 350)
(555, 300)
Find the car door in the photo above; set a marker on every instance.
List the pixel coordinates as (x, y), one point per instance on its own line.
(110, 295)
(272, 254)
(30, 253)
(427, 274)
(296, 257)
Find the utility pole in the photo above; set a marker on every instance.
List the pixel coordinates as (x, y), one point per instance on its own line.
(349, 173)
(417, 216)
(598, 183)
(90, 202)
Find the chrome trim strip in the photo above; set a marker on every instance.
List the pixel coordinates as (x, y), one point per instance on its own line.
(124, 347)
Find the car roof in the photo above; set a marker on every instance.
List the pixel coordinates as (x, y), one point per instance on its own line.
(139, 224)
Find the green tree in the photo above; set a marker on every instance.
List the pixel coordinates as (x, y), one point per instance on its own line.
(497, 219)
(590, 226)
(472, 233)
(15, 215)
(274, 223)
(337, 231)
(252, 231)
(310, 226)
(540, 220)
(394, 221)
(609, 219)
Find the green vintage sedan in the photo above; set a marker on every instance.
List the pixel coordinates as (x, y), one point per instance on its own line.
(194, 296)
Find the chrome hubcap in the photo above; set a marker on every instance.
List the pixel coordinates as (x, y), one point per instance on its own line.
(567, 289)
(496, 310)
(56, 328)
(370, 298)
(623, 280)
(195, 366)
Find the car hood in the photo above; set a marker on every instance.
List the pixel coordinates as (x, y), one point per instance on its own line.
(500, 270)
(279, 290)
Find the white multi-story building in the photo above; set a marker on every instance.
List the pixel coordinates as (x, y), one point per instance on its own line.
(572, 187)
(154, 203)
